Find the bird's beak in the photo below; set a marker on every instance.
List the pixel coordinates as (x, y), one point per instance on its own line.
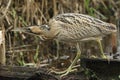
(19, 30)
(24, 30)
(27, 31)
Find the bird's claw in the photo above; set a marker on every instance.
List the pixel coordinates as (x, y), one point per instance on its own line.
(63, 73)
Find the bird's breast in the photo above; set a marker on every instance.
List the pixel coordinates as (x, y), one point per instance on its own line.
(77, 33)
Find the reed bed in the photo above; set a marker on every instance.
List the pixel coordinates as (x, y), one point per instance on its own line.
(22, 48)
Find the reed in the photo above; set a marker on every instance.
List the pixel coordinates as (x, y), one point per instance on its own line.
(21, 13)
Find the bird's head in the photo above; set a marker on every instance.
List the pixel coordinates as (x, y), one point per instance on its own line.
(37, 30)
(40, 30)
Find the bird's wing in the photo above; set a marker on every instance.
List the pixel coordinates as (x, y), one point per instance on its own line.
(80, 25)
(75, 19)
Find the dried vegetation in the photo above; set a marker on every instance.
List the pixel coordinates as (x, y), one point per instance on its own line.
(22, 48)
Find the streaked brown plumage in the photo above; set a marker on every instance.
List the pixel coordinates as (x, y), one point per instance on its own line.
(73, 27)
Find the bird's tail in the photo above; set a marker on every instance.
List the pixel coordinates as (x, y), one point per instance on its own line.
(113, 28)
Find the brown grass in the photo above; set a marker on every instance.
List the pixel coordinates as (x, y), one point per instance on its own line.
(20, 13)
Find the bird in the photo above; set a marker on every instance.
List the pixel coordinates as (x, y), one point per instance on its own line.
(73, 27)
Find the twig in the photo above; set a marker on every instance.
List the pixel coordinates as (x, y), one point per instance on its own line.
(23, 50)
(8, 5)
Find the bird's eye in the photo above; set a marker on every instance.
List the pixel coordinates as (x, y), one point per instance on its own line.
(45, 27)
(28, 29)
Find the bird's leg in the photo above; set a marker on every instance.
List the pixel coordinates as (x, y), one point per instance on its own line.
(58, 48)
(74, 61)
(101, 48)
(69, 69)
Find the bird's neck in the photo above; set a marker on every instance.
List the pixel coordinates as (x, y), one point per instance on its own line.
(53, 33)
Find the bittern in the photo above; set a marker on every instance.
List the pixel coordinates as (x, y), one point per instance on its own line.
(73, 27)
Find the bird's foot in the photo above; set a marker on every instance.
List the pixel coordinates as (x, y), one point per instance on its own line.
(104, 56)
(65, 72)
(92, 56)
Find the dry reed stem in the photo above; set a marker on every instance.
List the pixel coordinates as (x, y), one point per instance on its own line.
(2, 47)
(17, 13)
